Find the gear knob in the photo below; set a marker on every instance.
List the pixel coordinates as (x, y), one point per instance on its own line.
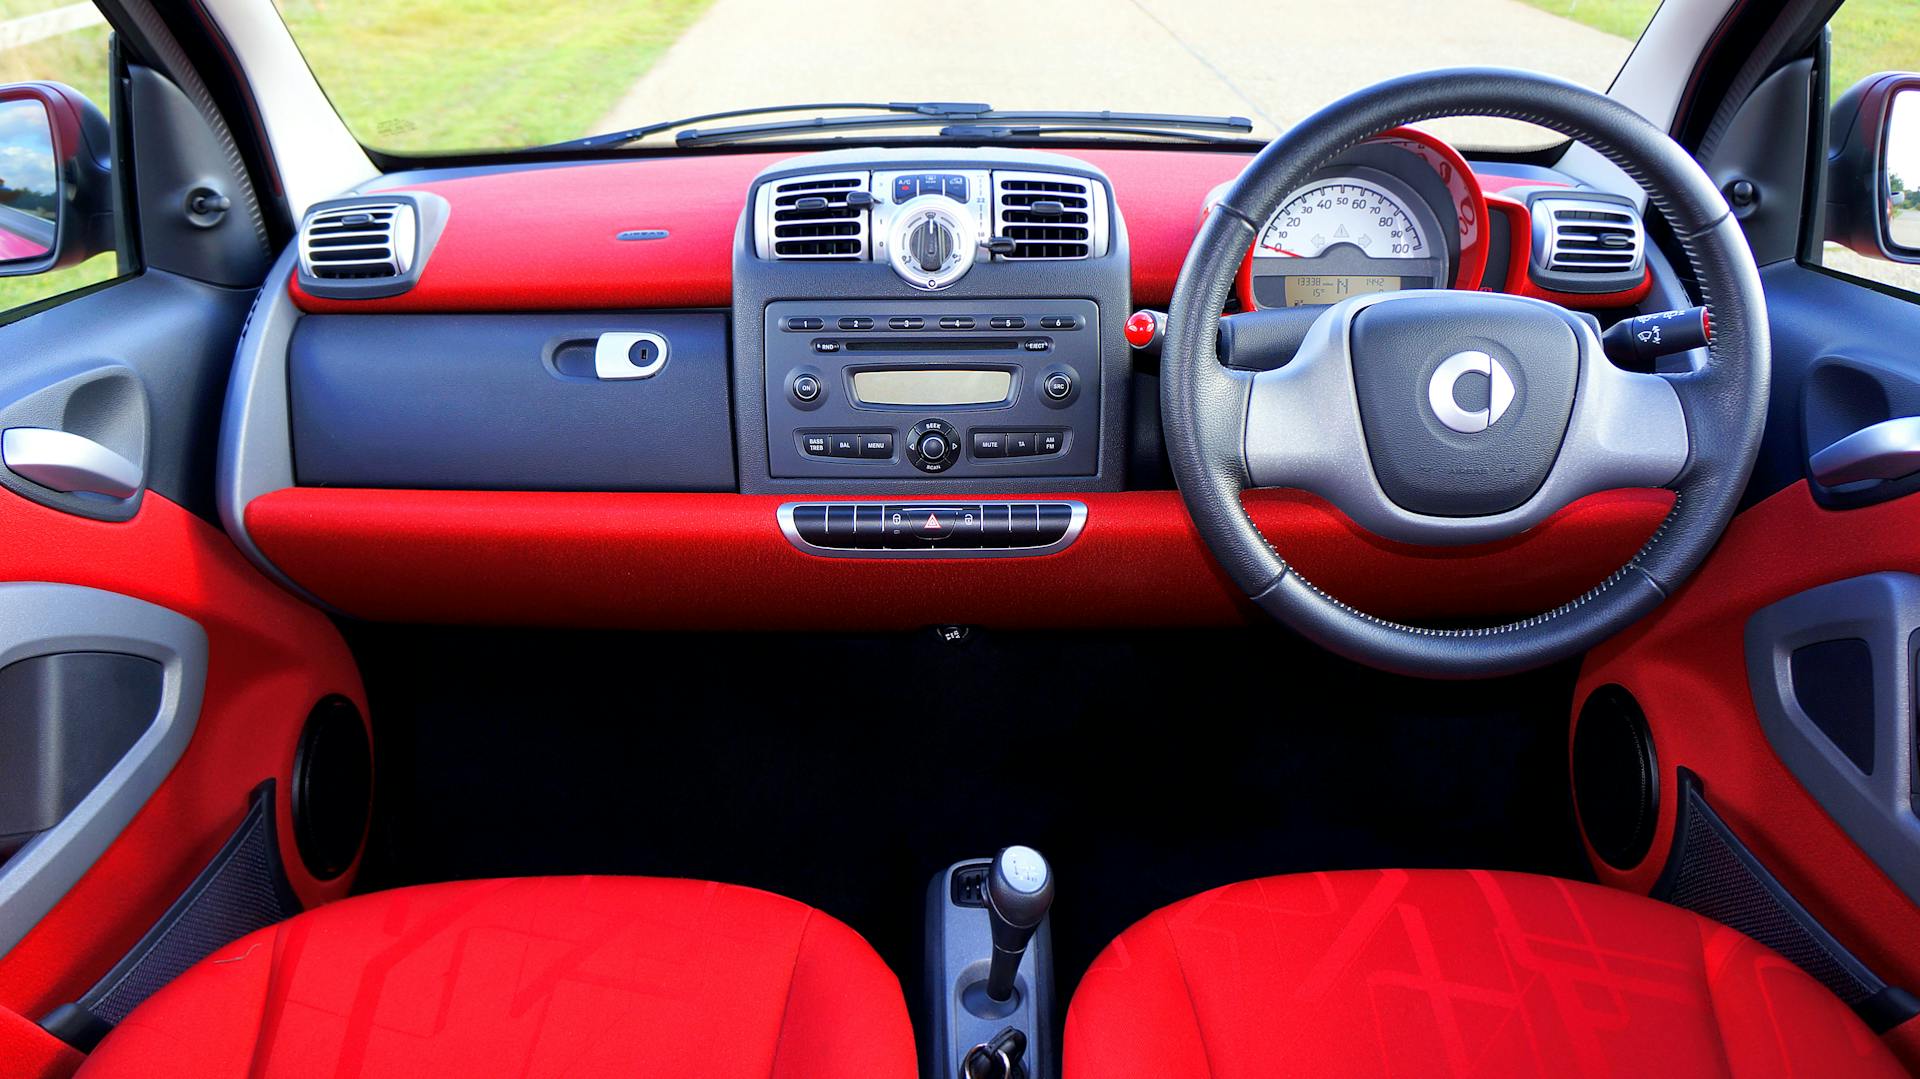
(1019, 891)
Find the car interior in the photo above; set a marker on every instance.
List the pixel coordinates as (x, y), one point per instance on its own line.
(1416, 574)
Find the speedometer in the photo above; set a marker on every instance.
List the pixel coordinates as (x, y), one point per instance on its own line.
(1343, 210)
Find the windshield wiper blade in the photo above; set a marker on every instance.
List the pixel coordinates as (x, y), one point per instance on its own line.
(952, 110)
(1159, 123)
(991, 131)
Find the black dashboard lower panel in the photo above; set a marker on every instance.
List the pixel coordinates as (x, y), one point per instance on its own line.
(512, 402)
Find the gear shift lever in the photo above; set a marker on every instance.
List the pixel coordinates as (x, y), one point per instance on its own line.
(1019, 891)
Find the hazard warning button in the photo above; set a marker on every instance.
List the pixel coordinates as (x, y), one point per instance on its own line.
(923, 524)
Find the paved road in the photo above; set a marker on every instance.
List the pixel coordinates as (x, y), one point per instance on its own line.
(1273, 61)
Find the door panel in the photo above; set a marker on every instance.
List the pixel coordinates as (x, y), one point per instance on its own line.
(270, 660)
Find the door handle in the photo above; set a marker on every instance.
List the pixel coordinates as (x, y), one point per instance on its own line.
(68, 462)
(1885, 451)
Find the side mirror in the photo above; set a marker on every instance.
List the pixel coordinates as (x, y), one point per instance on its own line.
(56, 188)
(1873, 168)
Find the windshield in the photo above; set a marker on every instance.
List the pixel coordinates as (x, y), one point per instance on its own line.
(444, 76)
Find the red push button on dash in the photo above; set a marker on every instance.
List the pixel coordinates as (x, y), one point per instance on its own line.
(1142, 329)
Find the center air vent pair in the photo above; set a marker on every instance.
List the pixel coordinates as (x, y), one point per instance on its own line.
(976, 215)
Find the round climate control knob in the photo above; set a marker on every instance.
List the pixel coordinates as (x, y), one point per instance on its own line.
(932, 241)
(932, 445)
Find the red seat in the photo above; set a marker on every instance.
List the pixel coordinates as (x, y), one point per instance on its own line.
(1450, 973)
(575, 976)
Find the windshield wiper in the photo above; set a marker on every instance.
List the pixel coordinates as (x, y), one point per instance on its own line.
(953, 110)
(989, 123)
(1027, 131)
(984, 122)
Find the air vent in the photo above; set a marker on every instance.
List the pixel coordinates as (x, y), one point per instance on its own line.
(1586, 244)
(358, 241)
(1049, 215)
(823, 218)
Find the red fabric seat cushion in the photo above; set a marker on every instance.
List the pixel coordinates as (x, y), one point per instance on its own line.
(576, 976)
(1450, 973)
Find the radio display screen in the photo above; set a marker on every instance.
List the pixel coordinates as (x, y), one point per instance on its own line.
(920, 386)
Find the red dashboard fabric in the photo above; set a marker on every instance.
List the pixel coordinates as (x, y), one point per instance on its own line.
(718, 561)
(576, 210)
(576, 976)
(1450, 973)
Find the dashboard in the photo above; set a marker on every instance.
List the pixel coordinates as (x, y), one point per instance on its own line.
(714, 390)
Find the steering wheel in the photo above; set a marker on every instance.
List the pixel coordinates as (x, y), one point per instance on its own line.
(1367, 414)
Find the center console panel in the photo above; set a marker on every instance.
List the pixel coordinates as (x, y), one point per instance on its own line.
(901, 342)
(858, 391)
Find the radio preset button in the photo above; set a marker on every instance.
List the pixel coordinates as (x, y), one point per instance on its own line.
(860, 323)
(1059, 322)
(905, 322)
(1007, 322)
(956, 322)
(804, 324)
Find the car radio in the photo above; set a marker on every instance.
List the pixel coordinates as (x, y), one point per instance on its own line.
(973, 389)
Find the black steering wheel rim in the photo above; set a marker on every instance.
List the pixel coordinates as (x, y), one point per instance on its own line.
(1204, 404)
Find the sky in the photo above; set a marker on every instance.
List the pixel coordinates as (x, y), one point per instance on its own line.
(26, 147)
(1903, 138)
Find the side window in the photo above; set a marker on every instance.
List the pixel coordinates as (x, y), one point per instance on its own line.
(56, 204)
(1873, 178)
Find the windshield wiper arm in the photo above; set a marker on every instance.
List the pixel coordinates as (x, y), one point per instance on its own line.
(952, 110)
(989, 120)
(991, 131)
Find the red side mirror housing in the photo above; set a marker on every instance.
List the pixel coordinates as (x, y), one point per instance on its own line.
(56, 182)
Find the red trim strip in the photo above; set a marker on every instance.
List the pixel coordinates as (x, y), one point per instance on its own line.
(694, 561)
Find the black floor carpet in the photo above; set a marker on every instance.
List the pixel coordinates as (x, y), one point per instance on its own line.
(845, 772)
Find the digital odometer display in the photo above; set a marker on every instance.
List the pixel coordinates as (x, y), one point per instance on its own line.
(1304, 290)
(1343, 210)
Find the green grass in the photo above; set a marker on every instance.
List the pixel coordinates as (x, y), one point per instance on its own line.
(1873, 35)
(1868, 35)
(443, 75)
(1621, 18)
(20, 291)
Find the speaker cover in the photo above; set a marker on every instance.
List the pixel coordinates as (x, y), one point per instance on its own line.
(1616, 777)
(332, 796)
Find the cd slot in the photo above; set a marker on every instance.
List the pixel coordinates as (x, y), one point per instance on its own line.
(932, 344)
